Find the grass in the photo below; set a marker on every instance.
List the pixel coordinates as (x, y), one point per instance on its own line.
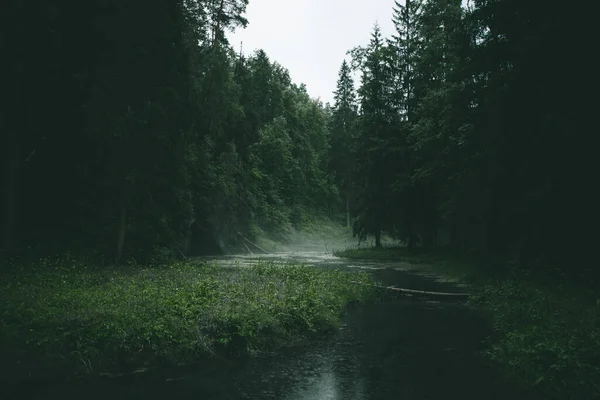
(62, 317)
(546, 331)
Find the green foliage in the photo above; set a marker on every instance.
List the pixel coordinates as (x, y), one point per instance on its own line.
(458, 133)
(371, 176)
(172, 140)
(344, 121)
(546, 335)
(83, 318)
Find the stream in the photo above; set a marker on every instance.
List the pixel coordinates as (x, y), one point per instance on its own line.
(399, 349)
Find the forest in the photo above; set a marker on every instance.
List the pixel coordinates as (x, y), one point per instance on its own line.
(135, 126)
(135, 130)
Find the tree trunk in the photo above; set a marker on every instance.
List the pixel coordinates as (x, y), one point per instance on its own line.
(122, 226)
(412, 241)
(10, 199)
(347, 211)
(188, 237)
(429, 235)
(378, 238)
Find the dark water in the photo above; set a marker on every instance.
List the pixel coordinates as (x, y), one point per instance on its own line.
(399, 349)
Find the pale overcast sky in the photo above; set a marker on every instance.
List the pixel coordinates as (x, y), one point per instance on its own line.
(311, 37)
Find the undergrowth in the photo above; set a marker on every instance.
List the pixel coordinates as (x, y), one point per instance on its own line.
(547, 336)
(546, 331)
(63, 316)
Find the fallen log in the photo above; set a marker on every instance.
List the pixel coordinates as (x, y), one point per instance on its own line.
(248, 248)
(253, 244)
(412, 292)
(182, 255)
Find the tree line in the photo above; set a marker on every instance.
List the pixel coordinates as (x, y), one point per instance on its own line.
(132, 126)
(468, 129)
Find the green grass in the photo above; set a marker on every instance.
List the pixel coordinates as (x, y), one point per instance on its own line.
(386, 253)
(546, 331)
(66, 317)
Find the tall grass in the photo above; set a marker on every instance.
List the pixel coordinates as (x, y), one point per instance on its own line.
(64, 316)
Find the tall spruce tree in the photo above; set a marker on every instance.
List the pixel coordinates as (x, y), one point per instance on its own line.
(405, 44)
(343, 134)
(402, 61)
(372, 175)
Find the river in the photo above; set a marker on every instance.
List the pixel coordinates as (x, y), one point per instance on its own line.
(398, 349)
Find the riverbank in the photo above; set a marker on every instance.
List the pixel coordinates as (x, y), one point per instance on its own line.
(546, 332)
(62, 317)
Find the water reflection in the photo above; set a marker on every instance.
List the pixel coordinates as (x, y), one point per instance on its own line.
(328, 378)
(323, 387)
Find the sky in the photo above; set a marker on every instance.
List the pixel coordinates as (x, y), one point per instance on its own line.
(311, 37)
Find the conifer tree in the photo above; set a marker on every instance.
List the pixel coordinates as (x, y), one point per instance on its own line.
(343, 133)
(376, 114)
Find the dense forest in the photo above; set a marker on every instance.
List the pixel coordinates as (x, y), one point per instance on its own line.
(134, 125)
